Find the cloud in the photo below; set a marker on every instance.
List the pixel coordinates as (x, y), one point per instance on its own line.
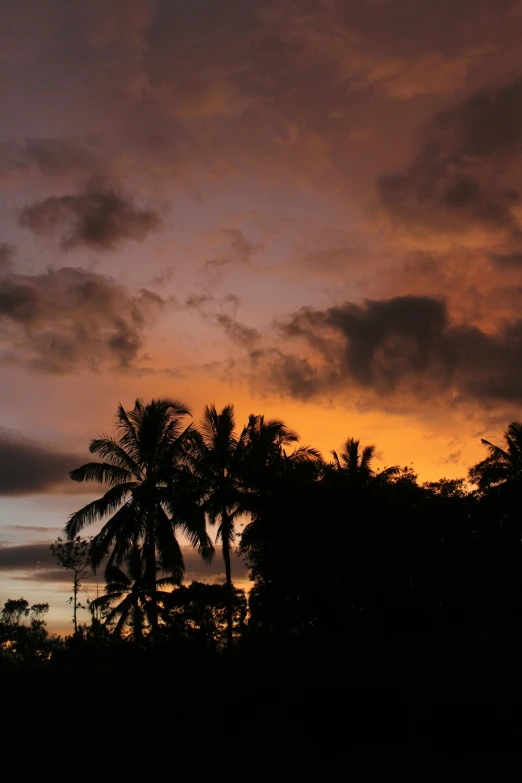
(36, 563)
(274, 87)
(196, 569)
(242, 248)
(397, 348)
(26, 556)
(453, 458)
(29, 467)
(7, 253)
(240, 251)
(430, 73)
(197, 301)
(371, 46)
(50, 158)
(99, 219)
(239, 333)
(513, 260)
(69, 318)
(212, 309)
(464, 180)
(39, 565)
(33, 529)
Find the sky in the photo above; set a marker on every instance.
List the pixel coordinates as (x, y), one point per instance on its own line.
(310, 209)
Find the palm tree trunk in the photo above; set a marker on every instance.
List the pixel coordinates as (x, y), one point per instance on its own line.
(137, 626)
(228, 576)
(150, 567)
(75, 601)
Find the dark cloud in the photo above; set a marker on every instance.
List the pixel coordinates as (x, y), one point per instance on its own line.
(292, 375)
(198, 301)
(7, 253)
(52, 157)
(488, 123)
(26, 556)
(38, 564)
(237, 332)
(513, 260)
(466, 176)
(197, 570)
(402, 346)
(213, 309)
(28, 467)
(68, 318)
(99, 218)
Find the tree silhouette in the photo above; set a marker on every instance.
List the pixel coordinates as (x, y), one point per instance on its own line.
(356, 465)
(22, 642)
(217, 456)
(128, 599)
(74, 556)
(199, 612)
(503, 467)
(152, 493)
(266, 458)
(282, 482)
(15, 609)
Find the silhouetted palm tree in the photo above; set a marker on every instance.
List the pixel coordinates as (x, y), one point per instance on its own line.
(266, 457)
(503, 467)
(356, 465)
(128, 598)
(217, 463)
(152, 493)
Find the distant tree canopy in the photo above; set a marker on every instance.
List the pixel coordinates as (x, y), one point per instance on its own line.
(23, 634)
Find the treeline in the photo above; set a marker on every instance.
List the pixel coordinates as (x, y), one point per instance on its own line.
(336, 549)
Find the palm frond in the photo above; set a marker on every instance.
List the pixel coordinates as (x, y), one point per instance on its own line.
(168, 546)
(495, 451)
(305, 454)
(168, 581)
(337, 461)
(127, 434)
(116, 578)
(101, 472)
(109, 449)
(124, 610)
(97, 509)
(121, 532)
(386, 474)
(367, 457)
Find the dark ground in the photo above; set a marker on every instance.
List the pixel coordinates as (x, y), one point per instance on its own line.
(315, 706)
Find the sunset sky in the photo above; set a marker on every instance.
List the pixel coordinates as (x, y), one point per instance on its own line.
(311, 209)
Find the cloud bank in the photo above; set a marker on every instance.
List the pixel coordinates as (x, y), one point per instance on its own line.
(406, 346)
(70, 318)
